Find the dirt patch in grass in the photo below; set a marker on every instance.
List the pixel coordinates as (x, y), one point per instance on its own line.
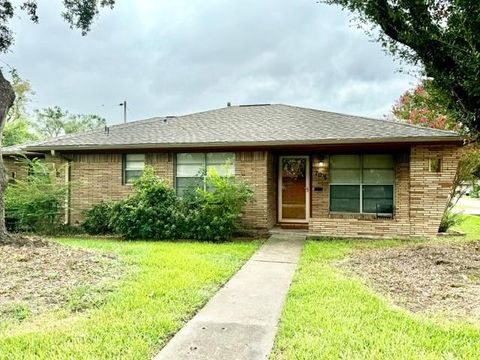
(425, 278)
(38, 276)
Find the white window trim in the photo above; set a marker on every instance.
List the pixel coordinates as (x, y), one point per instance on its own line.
(204, 168)
(124, 167)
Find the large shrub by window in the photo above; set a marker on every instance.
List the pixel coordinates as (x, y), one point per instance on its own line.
(153, 211)
(192, 168)
(362, 183)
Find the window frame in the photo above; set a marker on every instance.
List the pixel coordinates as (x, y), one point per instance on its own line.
(361, 184)
(124, 168)
(204, 168)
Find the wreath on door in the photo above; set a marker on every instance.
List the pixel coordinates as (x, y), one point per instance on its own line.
(294, 168)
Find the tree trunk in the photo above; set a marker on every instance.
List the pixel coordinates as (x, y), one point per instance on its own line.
(7, 96)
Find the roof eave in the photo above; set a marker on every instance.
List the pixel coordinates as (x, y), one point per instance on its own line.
(416, 139)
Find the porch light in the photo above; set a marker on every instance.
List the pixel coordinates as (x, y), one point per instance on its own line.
(320, 167)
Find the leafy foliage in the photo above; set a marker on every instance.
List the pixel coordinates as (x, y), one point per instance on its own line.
(475, 192)
(53, 122)
(424, 106)
(150, 212)
(36, 203)
(18, 128)
(153, 211)
(449, 220)
(97, 219)
(23, 95)
(440, 35)
(214, 215)
(18, 132)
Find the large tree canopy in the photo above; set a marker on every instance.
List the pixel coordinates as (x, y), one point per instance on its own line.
(442, 36)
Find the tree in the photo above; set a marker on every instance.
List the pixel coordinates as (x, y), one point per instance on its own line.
(424, 106)
(18, 132)
(441, 36)
(53, 122)
(23, 95)
(18, 127)
(78, 14)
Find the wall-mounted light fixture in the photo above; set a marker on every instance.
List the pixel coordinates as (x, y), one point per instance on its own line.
(320, 167)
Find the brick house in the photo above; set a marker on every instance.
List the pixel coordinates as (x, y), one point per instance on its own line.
(333, 174)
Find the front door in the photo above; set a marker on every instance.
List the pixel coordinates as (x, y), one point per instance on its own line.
(293, 186)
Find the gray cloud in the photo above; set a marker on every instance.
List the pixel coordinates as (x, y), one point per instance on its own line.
(175, 57)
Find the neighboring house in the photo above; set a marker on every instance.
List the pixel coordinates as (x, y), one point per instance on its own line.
(14, 156)
(333, 174)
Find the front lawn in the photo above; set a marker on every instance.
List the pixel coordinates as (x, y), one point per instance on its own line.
(163, 286)
(333, 314)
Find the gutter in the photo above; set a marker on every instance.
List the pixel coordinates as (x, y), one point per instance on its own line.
(419, 139)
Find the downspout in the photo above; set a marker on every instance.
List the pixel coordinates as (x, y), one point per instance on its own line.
(67, 194)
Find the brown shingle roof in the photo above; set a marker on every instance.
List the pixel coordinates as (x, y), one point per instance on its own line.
(248, 125)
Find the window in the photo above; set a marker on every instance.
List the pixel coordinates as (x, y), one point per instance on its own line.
(435, 165)
(193, 167)
(362, 183)
(133, 165)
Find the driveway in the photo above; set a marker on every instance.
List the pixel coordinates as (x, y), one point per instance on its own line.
(467, 205)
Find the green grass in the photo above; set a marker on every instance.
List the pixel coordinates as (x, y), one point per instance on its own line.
(332, 315)
(164, 286)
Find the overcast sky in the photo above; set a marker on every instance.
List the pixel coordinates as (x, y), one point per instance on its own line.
(173, 57)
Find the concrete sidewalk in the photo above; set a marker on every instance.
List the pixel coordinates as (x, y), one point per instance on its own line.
(240, 321)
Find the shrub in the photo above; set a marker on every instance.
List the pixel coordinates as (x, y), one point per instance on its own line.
(153, 211)
(213, 214)
(35, 203)
(148, 213)
(449, 219)
(475, 192)
(98, 219)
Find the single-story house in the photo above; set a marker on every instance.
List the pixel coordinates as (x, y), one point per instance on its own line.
(330, 173)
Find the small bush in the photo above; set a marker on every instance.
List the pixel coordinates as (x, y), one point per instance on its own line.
(449, 219)
(35, 203)
(475, 192)
(148, 213)
(98, 219)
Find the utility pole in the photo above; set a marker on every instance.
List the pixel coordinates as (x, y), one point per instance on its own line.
(124, 104)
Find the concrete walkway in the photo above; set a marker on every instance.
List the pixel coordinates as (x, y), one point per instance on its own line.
(240, 321)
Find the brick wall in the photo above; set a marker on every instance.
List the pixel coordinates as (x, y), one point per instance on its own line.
(420, 200)
(14, 168)
(429, 191)
(420, 195)
(98, 177)
(256, 168)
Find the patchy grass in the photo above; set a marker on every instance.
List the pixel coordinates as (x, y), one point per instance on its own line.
(331, 314)
(165, 284)
(44, 276)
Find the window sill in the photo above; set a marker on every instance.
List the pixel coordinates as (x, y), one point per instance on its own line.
(340, 215)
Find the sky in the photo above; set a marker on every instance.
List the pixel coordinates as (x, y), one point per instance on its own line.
(183, 56)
